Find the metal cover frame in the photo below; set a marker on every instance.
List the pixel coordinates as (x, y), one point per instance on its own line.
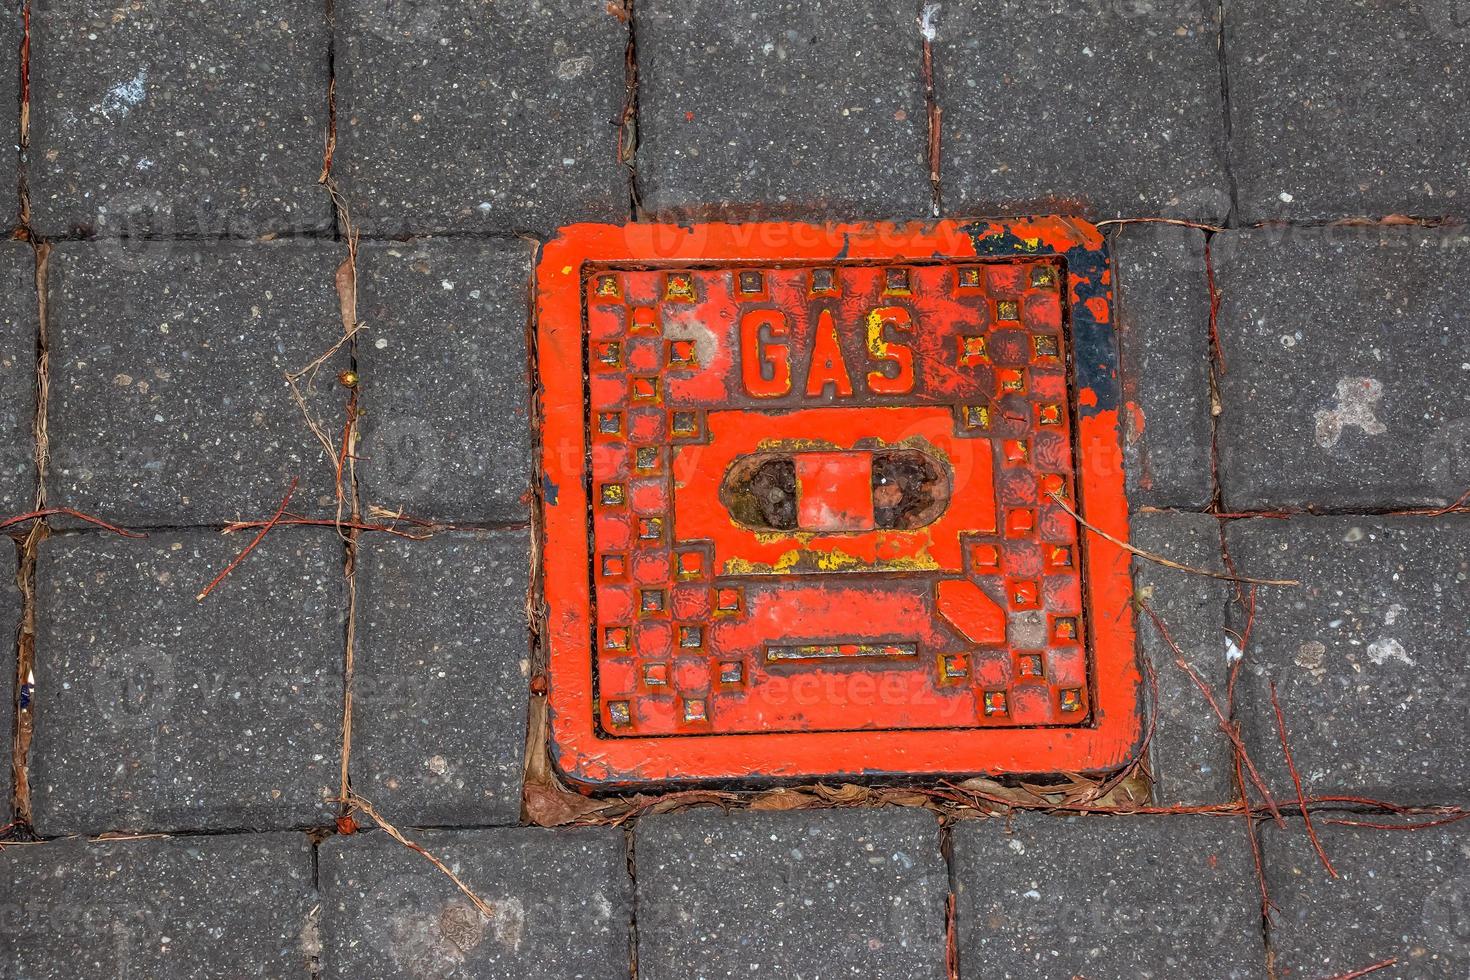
(1114, 730)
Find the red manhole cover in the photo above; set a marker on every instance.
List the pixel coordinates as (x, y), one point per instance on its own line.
(799, 502)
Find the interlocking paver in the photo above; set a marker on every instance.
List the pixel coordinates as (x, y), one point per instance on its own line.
(1192, 760)
(447, 433)
(168, 402)
(482, 117)
(561, 903)
(1107, 110)
(856, 893)
(1344, 109)
(781, 109)
(173, 908)
(1399, 895)
(10, 613)
(155, 711)
(1098, 896)
(1368, 654)
(19, 323)
(1346, 381)
(12, 30)
(1163, 310)
(199, 118)
(439, 722)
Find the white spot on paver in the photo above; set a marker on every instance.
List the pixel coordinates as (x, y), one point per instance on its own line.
(1286, 197)
(1355, 400)
(1392, 614)
(929, 21)
(121, 98)
(1387, 648)
(573, 68)
(1232, 651)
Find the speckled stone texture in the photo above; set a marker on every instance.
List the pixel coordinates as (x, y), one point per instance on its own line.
(1348, 107)
(480, 117)
(161, 117)
(1137, 896)
(10, 612)
(176, 909)
(852, 893)
(19, 323)
(12, 30)
(1347, 373)
(448, 431)
(1104, 110)
(1163, 316)
(781, 108)
(157, 712)
(561, 902)
(169, 403)
(439, 714)
(1192, 762)
(1399, 895)
(1368, 654)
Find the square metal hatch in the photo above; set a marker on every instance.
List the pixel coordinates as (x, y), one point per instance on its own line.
(806, 500)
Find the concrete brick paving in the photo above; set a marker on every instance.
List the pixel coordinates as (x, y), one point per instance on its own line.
(161, 713)
(1368, 655)
(833, 893)
(439, 722)
(168, 402)
(1347, 374)
(179, 124)
(448, 434)
(17, 376)
(1192, 762)
(560, 906)
(1354, 115)
(810, 109)
(10, 610)
(480, 118)
(1106, 896)
(1399, 895)
(1103, 110)
(1164, 347)
(204, 118)
(172, 908)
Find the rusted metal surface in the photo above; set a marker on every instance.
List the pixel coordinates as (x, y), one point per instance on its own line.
(801, 502)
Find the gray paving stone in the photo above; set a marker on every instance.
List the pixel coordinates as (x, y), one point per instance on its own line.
(480, 117)
(1104, 110)
(12, 30)
(1400, 895)
(783, 108)
(1139, 896)
(562, 905)
(439, 715)
(1347, 375)
(10, 613)
(19, 323)
(158, 712)
(175, 908)
(160, 118)
(168, 398)
(447, 429)
(1368, 654)
(1192, 762)
(1343, 109)
(1163, 316)
(853, 893)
